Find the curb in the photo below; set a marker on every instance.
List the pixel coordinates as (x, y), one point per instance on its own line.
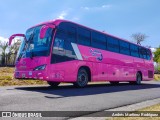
(131, 107)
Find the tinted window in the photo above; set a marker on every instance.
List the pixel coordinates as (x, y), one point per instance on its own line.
(148, 54)
(98, 40)
(69, 30)
(62, 48)
(113, 44)
(84, 37)
(58, 47)
(134, 50)
(142, 53)
(124, 47)
(71, 34)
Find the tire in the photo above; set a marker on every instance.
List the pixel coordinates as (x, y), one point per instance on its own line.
(138, 79)
(114, 82)
(53, 84)
(82, 78)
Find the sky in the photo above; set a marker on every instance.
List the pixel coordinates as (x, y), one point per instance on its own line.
(121, 18)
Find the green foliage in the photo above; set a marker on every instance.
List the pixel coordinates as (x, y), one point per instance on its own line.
(157, 55)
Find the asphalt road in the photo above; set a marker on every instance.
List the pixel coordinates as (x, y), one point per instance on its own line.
(67, 98)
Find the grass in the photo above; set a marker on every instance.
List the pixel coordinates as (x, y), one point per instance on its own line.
(157, 77)
(151, 108)
(7, 79)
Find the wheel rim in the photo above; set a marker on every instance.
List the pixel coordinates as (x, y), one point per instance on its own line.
(82, 79)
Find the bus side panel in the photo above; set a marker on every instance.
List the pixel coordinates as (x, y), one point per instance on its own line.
(95, 71)
(99, 72)
(63, 72)
(149, 69)
(112, 67)
(67, 71)
(144, 66)
(120, 67)
(113, 72)
(127, 73)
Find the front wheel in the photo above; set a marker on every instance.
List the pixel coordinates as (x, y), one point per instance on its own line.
(82, 78)
(53, 84)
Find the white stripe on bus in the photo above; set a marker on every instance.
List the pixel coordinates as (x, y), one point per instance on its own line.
(77, 52)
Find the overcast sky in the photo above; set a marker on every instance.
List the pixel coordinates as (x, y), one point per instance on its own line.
(121, 18)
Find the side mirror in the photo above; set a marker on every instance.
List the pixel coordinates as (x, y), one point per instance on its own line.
(13, 36)
(44, 29)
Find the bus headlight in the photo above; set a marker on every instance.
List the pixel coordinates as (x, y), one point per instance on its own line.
(42, 67)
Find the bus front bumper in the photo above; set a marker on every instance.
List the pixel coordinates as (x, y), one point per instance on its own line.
(30, 75)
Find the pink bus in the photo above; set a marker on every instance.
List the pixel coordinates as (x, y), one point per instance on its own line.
(62, 51)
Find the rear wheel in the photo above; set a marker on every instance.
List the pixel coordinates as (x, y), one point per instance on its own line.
(82, 78)
(53, 84)
(138, 79)
(114, 82)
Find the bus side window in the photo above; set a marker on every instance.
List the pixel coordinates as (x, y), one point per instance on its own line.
(148, 54)
(62, 48)
(71, 38)
(124, 48)
(99, 41)
(59, 44)
(142, 53)
(113, 44)
(84, 36)
(58, 51)
(71, 34)
(59, 39)
(134, 50)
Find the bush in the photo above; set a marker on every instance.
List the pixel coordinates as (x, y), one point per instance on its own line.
(157, 77)
(157, 69)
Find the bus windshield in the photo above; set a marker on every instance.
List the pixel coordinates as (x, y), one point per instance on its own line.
(34, 46)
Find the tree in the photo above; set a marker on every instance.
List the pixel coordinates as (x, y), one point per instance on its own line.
(3, 46)
(157, 55)
(157, 60)
(8, 53)
(139, 37)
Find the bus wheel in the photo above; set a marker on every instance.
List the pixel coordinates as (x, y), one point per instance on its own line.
(138, 79)
(114, 82)
(82, 78)
(53, 84)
